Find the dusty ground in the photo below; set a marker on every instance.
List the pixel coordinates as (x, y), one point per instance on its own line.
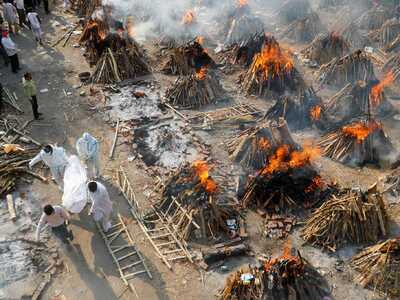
(88, 271)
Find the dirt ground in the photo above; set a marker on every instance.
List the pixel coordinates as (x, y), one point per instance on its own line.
(88, 272)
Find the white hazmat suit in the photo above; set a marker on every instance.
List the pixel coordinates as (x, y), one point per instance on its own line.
(101, 206)
(88, 150)
(56, 161)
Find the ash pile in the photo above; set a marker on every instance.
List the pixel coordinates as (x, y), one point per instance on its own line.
(167, 144)
(304, 29)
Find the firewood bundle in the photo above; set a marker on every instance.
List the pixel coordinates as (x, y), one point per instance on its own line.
(242, 27)
(351, 217)
(356, 37)
(288, 181)
(304, 29)
(300, 111)
(245, 283)
(374, 18)
(184, 59)
(292, 10)
(252, 147)
(387, 33)
(271, 72)
(393, 65)
(189, 202)
(358, 143)
(325, 47)
(348, 69)
(379, 267)
(195, 90)
(86, 8)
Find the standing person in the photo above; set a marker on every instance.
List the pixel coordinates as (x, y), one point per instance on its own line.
(34, 24)
(101, 208)
(88, 150)
(46, 6)
(30, 92)
(11, 50)
(56, 217)
(21, 12)
(56, 159)
(10, 15)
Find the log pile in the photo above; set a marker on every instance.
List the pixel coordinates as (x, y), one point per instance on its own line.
(300, 111)
(387, 33)
(360, 142)
(271, 72)
(252, 147)
(92, 37)
(194, 91)
(278, 226)
(374, 18)
(194, 189)
(379, 267)
(85, 8)
(393, 65)
(304, 29)
(353, 217)
(356, 37)
(184, 59)
(292, 10)
(325, 47)
(348, 69)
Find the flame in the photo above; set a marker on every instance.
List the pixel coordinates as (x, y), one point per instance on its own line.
(93, 24)
(315, 113)
(200, 40)
(288, 258)
(263, 144)
(130, 27)
(376, 91)
(360, 130)
(202, 171)
(202, 73)
(188, 17)
(315, 184)
(242, 3)
(272, 61)
(304, 157)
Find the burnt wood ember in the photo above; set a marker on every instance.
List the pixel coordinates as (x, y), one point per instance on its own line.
(187, 58)
(195, 90)
(300, 111)
(304, 29)
(352, 217)
(348, 69)
(292, 10)
(252, 147)
(357, 37)
(379, 267)
(374, 18)
(325, 47)
(360, 142)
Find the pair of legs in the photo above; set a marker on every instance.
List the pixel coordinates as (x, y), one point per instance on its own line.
(104, 219)
(37, 32)
(35, 107)
(14, 63)
(92, 166)
(58, 175)
(63, 233)
(21, 17)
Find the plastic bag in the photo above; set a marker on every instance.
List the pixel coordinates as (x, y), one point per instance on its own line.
(75, 194)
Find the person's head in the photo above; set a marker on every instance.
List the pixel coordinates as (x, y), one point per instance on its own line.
(48, 210)
(86, 136)
(48, 149)
(92, 186)
(28, 76)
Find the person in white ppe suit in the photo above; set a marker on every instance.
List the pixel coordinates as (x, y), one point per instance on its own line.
(101, 208)
(88, 150)
(56, 159)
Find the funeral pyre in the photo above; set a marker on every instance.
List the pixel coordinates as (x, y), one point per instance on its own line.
(357, 37)
(271, 72)
(348, 69)
(387, 33)
(292, 10)
(360, 142)
(379, 267)
(195, 90)
(304, 29)
(288, 181)
(187, 58)
(374, 18)
(393, 66)
(325, 47)
(190, 202)
(302, 111)
(286, 277)
(252, 147)
(352, 217)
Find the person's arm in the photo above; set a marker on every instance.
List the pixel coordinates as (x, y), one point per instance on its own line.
(39, 226)
(35, 160)
(64, 214)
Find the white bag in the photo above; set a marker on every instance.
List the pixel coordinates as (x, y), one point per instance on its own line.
(75, 194)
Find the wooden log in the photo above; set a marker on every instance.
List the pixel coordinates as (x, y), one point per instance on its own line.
(11, 207)
(214, 255)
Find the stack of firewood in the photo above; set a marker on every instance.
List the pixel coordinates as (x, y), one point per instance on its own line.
(387, 33)
(348, 69)
(292, 10)
(351, 217)
(86, 8)
(357, 38)
(379, 267)
(304, 29)
(374, 18)
(393, 65)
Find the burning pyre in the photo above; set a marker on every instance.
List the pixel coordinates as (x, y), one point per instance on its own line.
(358, 143)
(304, 29)
(348, 69)
(300, 111)
(252, 147)
(272, 71)
(292, 10)
(325, 47)
(191, 191)
(379, 267)
(92, 38)
(195, 90)
(351, 217)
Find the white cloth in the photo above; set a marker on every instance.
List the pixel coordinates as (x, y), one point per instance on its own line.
(10, 13)
(75, 194)
(88, 150)
(20, 4)
(33, 20)
(101, 203)
(37, 32)
(9, 46)
(56, 219)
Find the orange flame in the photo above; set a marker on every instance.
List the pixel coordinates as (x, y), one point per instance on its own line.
(315, 184)
(202, 73)
(315, 113)
(188, 17)
(376, 91)
(264, 144)
(202, 171)
(287, 257)
(360, 130)
(242, 3)
(200, 40)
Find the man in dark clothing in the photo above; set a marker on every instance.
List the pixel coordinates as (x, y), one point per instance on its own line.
(31, 91)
